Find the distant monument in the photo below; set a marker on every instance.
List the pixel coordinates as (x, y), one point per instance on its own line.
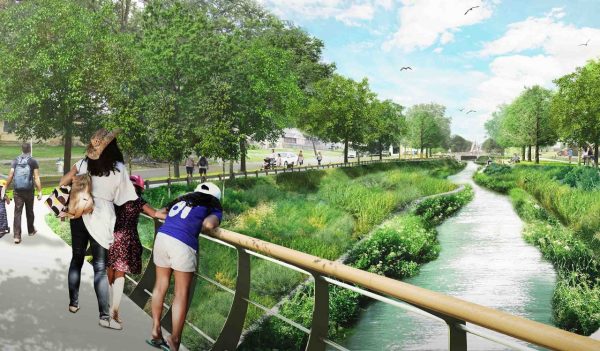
(475, 148)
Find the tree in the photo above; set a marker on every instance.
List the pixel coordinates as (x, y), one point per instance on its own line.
(491, 146)
(264, 93)
(428, 126)
(179, 51)
(58, 61)
(389, 125)
(339, 111)
(576, 107)
(459, 144)
(531, 115)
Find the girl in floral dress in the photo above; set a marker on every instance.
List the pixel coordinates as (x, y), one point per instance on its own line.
(125, 254)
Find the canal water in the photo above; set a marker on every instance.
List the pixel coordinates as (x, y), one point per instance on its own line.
(483, 260)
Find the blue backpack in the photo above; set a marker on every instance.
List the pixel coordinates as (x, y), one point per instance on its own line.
(23, 178)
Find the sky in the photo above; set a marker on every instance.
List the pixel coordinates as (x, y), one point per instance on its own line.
(474, 62)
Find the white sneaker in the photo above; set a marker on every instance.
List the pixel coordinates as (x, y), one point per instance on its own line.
(110, 324)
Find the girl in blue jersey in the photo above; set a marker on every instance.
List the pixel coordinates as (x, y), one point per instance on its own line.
(175, 249)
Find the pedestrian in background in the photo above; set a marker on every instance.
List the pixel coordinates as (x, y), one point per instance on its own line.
(25, 172)
(319, 158)
(203, 166)
(300, 158)
(4, 228)
(570, 154)
(189, 166)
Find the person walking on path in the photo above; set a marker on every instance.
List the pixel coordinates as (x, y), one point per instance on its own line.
(300, 158)
(203, 166)
(319, 158)
(189, 166)
(570, 154)
(125, 254)
(25, 172)
(4, 228)
(175, 253)
(110, 186)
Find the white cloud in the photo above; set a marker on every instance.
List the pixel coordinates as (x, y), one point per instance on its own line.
(556, 53)
(349, 12)
(424, 23)
(438, 50)
(356, 12)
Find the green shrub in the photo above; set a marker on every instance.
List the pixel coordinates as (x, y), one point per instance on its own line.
(585, 178)
(497, 169)
(576, 304)
(435, 210)
(493, 183)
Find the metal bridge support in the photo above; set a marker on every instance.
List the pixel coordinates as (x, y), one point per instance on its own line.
(139, 295)
(320, 318)
(234, 325)
(457, 338)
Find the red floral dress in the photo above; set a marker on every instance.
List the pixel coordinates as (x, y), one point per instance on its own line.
(125, 254)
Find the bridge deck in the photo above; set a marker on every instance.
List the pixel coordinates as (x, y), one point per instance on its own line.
(34, 299)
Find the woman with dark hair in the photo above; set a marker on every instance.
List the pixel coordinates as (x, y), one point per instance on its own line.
(174, 254)
(110, 186)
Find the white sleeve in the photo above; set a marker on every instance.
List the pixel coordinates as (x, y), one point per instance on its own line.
(125, 190)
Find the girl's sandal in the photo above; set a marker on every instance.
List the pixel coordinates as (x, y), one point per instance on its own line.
(73, 309)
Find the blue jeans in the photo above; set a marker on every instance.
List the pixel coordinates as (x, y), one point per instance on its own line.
(80, 238)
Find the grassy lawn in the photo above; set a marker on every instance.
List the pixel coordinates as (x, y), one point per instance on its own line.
(9, 151)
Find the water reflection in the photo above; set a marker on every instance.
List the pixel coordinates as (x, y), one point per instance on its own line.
(483, 260)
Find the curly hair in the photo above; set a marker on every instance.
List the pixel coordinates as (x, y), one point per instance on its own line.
(107, 162)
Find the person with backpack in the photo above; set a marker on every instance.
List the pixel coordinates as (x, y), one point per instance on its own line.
(203, 166)
(24, 173)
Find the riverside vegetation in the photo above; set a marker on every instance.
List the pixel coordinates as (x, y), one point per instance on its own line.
(560, 206)
(322, 213)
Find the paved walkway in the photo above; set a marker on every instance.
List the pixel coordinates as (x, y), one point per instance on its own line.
(34, 299)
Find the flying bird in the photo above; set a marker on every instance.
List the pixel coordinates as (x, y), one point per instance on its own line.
(471, 111)
(471, 9)
(461, 109)
(586, 43)
(406, 68)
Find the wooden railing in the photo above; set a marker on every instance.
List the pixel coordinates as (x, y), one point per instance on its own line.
(454, 312)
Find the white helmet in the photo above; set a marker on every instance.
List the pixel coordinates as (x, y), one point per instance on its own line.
(210, 189)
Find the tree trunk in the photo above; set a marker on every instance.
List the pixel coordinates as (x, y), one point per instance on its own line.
(529, 153)
(231, 169)
(537, 154)
(523, 153)
(380, 151)
(314, 146)
(243, 156)
(176, 168)
(596, 154)
(68, 141)
(129, 163)
(346, 151)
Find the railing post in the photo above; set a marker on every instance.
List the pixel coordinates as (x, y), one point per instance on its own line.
(139, 295)
(234, 325)
(457, 338)
(320, 318)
